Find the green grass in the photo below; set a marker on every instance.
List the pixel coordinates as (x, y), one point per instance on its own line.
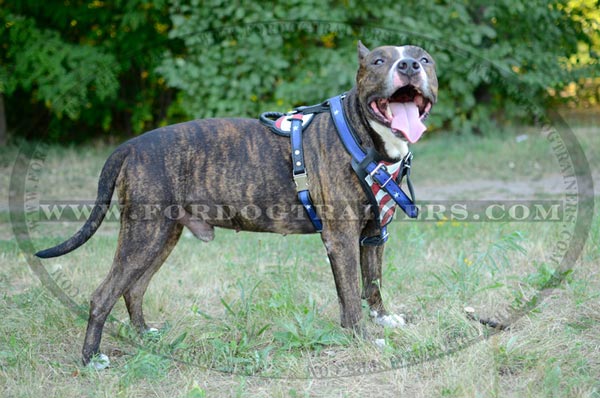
(257, 315)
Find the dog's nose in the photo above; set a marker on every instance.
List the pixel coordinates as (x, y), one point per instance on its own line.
(409, 66)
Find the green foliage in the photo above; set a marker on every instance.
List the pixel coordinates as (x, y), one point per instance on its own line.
(238, 346)
(243, 61)
(145, 365)
(196, 392)
(83, 68)
(63, 75)
(308, 331)
(511, 359)
(495, 62)
(89, 68)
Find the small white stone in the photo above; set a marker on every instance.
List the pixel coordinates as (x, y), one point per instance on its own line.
(99, 362)
(56, 267)
(469, 310)
(380, 343)
(521, 138)
(391, 321)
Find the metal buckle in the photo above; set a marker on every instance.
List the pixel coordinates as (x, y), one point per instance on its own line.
(380, 166)
(374, 240)
(301, 182)
(407, 161)
(377, 168)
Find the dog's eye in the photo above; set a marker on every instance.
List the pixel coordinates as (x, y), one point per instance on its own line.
(379, 61)
(424, 60)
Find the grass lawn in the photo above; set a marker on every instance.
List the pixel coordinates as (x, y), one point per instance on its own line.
(256, 315)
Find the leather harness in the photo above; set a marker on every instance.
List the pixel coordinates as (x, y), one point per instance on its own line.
(380, 180)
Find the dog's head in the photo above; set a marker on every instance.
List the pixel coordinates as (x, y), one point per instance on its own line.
(397, 86)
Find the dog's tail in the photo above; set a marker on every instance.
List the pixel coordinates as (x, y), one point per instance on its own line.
(106, 186)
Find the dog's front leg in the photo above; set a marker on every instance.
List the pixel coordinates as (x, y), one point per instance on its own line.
(371, 260)
(343, 250)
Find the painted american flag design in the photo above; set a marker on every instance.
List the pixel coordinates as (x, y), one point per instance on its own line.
(386, 204)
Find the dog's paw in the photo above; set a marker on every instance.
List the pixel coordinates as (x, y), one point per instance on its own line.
(99, 362)
(390, 321)
(152, 334)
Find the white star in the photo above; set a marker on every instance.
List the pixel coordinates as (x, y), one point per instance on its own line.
(396, 194)
(308, 207)
(336, 112)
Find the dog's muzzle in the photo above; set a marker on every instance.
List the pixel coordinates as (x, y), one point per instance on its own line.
(405, 110)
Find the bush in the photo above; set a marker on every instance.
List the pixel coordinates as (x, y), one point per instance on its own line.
(495, 62)
(503, 62)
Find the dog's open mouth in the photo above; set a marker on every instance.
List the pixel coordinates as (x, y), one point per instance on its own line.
(403, 112)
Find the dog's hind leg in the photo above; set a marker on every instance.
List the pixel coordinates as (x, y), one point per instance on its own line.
(142, 247)
(134, 295)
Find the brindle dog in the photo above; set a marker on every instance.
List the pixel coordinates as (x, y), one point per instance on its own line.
(204, 164)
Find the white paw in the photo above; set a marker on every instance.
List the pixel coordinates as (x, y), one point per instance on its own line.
(99, 362)
(390, 321)
(152, 334)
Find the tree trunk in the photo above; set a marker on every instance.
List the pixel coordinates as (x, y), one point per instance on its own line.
(3, 132)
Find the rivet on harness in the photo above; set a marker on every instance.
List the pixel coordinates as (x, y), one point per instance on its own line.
(380, 180)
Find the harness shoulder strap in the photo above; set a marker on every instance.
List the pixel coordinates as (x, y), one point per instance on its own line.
(364, 164)
(347, 137)
(374, 169)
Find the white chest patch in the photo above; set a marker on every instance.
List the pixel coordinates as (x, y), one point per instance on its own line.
(395, 147)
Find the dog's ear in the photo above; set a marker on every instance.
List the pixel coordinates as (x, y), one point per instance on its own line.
(362, 51)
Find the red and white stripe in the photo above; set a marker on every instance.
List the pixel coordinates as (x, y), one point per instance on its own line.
(386, 204)
(285, 124)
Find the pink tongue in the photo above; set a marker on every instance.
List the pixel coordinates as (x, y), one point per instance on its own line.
(406, 119)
